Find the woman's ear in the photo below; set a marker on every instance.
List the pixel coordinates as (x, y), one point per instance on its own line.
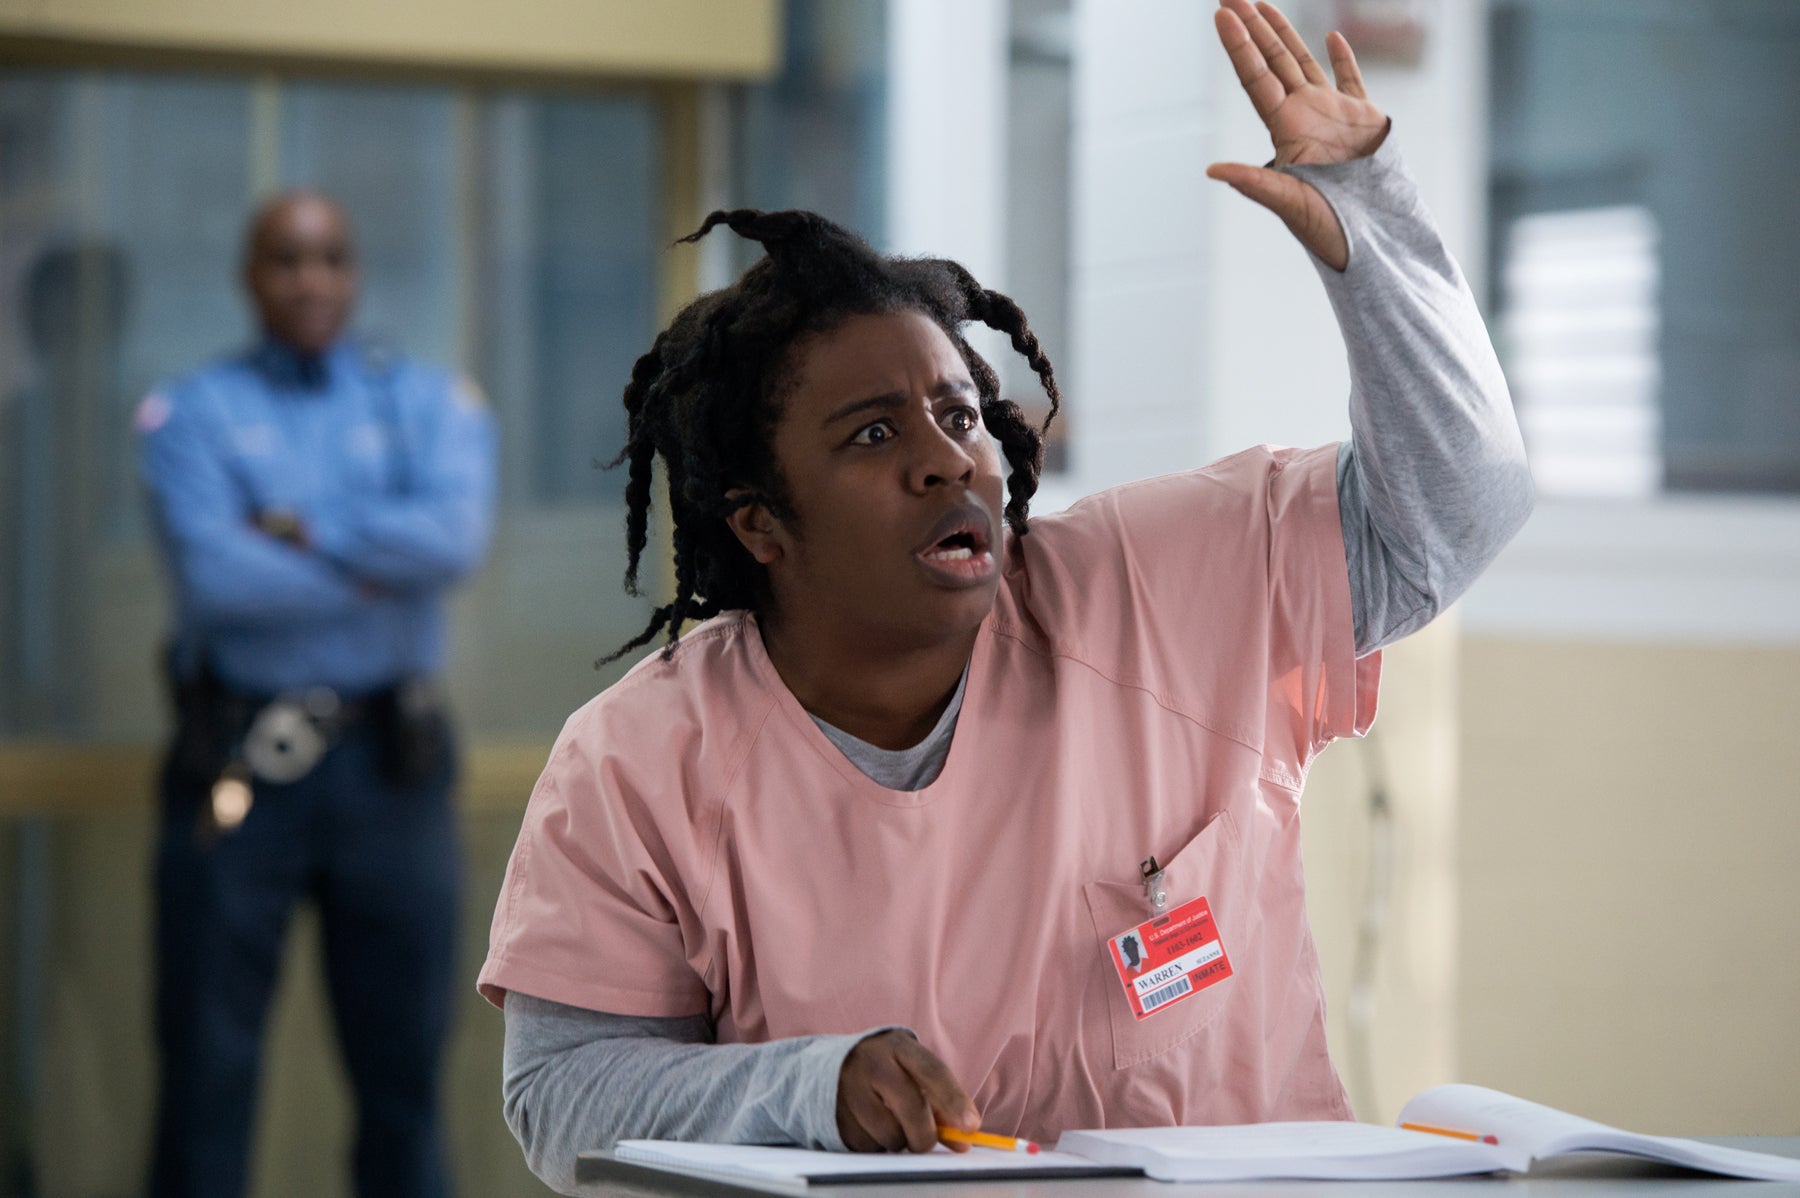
(755, 526)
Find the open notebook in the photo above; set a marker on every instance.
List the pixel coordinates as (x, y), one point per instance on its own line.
(1477, 1131)
(1502, 1133)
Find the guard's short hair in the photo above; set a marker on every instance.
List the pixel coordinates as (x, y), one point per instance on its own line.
(707, 396)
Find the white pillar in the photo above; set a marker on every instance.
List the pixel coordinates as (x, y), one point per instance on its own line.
(946, 129)
(1140, 254)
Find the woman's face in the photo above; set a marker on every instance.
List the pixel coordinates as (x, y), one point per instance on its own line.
(894, 486)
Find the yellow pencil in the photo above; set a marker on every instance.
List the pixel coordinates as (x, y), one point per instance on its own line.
(982, 1139)
(1455, 1135)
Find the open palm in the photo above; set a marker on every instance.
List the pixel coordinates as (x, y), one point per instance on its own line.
(1309, 120)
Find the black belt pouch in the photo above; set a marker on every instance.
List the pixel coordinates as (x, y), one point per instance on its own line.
(416, 739)
(210, 722)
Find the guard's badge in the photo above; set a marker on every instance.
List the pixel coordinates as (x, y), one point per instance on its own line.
(152, 413)
(467, 394)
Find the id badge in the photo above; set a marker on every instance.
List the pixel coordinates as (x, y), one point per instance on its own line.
(1171, 957)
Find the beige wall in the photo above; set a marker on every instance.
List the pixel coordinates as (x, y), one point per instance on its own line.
(1399, 1034)
(97, 1064)
(687, 38)
(1595, 899)
(1630, 874)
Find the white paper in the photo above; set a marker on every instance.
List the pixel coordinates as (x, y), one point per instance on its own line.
(1342, 1150)
(1529, 1130)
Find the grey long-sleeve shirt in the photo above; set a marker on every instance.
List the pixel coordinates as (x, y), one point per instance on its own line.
(1432, 483)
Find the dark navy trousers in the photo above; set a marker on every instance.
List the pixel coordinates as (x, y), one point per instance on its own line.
(383, 865)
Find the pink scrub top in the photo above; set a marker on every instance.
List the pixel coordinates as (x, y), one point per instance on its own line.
(1162, 664)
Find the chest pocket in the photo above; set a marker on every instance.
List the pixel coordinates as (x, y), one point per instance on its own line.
(1209, 866)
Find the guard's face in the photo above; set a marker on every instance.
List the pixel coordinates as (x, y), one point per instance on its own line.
(895, 485)
(302, 273)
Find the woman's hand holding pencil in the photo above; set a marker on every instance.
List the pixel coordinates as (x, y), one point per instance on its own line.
(894, 1095)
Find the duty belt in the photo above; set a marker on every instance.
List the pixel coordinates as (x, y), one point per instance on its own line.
(291, 732)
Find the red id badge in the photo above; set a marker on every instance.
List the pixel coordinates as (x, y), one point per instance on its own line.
(1171, 957)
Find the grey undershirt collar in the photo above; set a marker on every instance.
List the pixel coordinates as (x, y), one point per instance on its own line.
(903, 769)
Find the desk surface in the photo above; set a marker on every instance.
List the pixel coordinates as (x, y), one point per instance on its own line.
(1586, 1176)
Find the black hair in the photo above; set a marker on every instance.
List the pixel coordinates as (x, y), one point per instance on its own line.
(707, 396)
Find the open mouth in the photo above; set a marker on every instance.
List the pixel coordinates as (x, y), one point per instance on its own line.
(957, 547)
(956, 553)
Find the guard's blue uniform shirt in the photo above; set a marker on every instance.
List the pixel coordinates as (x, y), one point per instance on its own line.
(389, 464)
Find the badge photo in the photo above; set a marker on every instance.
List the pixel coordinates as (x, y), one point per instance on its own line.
(1169, 957)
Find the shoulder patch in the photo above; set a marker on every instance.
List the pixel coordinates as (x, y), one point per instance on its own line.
(152, 413)
(466, 394)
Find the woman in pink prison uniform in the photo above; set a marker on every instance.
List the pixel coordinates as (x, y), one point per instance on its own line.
(1079, 902)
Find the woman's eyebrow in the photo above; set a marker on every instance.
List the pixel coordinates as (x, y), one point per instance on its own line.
(888, 401)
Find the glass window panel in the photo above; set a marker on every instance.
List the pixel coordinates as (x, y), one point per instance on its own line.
(390, 155)
(814, 136)
(1040, 101)
(1665, 112)
(35, 114)
(594, 278)
(508, 315)
(572, 243)
(120, 197)
(172, 195)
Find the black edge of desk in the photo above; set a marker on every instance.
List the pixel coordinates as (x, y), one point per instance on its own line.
(598, 1168)
(603, 1167)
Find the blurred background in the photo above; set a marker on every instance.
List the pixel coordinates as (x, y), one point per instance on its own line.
(1564, 865)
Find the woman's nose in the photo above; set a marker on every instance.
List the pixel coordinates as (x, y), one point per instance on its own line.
(940, 459)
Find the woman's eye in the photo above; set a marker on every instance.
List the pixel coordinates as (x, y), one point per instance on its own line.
(873, 434)
(964, 420)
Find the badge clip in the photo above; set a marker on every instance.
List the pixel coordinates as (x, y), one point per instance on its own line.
(1154, 891)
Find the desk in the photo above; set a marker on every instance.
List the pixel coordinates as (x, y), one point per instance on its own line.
(1572, 1177)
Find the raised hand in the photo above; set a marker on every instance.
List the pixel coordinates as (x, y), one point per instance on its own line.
(1309, 120)
(892, 1094)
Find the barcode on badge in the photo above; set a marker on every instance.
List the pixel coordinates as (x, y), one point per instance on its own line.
(1167, 994)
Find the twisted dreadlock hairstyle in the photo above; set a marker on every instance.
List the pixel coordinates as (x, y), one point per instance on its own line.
(707, 396)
